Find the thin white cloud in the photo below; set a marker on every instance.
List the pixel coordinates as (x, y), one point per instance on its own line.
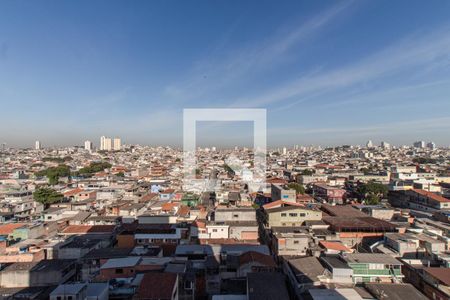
(227, 69)
(427, 50)
(400, 126)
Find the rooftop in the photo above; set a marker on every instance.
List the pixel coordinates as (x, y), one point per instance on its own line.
(368, 258)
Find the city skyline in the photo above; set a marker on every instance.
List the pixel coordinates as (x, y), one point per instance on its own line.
(328, 73)
(89, 145)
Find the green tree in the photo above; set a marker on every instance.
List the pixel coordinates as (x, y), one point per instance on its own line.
(373, 192)
(120, 174)
(297, 187)
(54, 173)
(307, 172)
(93, 168)
(372, 199)
(47, 196)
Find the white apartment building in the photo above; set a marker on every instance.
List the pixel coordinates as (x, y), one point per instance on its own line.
(108, 144)
(88, 145)
(117, 144)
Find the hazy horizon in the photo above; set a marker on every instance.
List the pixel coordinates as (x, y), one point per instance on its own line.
(328, 73)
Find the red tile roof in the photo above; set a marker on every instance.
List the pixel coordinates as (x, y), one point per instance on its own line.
(156, 286)
(148, 197)
(169, 206)
(183, 211)
(276, 181)
(442, 274)
(252, 256)
(6, 229)
(84, 229)
(73, 192)
(199, 224)
(279, 203)
(431, 195)
(337, 246)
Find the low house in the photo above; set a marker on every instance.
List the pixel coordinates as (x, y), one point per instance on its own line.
(337, 270)
(81, 291)
(128, 267)
(42, 273)
(266, 286)
(394, 291)
(373, 267)
(329, 193)
(290, 241)
(158, 286)
(290, 216)
(304, 273)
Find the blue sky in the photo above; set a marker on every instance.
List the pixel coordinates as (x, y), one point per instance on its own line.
(328, 72)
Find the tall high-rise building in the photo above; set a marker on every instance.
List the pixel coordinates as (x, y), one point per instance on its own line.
(37, 145)
(369, 144)
(419, 144)
(108, 144)
(385, 145)
(431, 145)
(88, 145)
(102, 142)
(117, 144)
(105, 143)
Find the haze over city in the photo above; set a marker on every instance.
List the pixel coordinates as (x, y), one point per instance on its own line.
(224, 150)
(328, 72)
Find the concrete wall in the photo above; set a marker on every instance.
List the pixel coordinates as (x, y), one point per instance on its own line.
(223, 215)
(287, 217)
(244, 232)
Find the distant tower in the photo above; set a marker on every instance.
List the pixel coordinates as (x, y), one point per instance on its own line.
(102, 143)
(385, 145)
(117, 144)
(284, 151)
(369, 144)
(37, 145)
(431, 146)
(106, 143)
(88, 145)
(419, 144)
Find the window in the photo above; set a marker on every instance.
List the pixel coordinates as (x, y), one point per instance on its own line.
(214, 230)
(376, 266)
(296, 242)
(302, 215)
(188, 285)
(58, 298)
(283, 215)
(292, 214)
(119, 271)
(69, 297)
(235, 216)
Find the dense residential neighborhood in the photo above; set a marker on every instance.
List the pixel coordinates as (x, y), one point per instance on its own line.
(342, 222)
